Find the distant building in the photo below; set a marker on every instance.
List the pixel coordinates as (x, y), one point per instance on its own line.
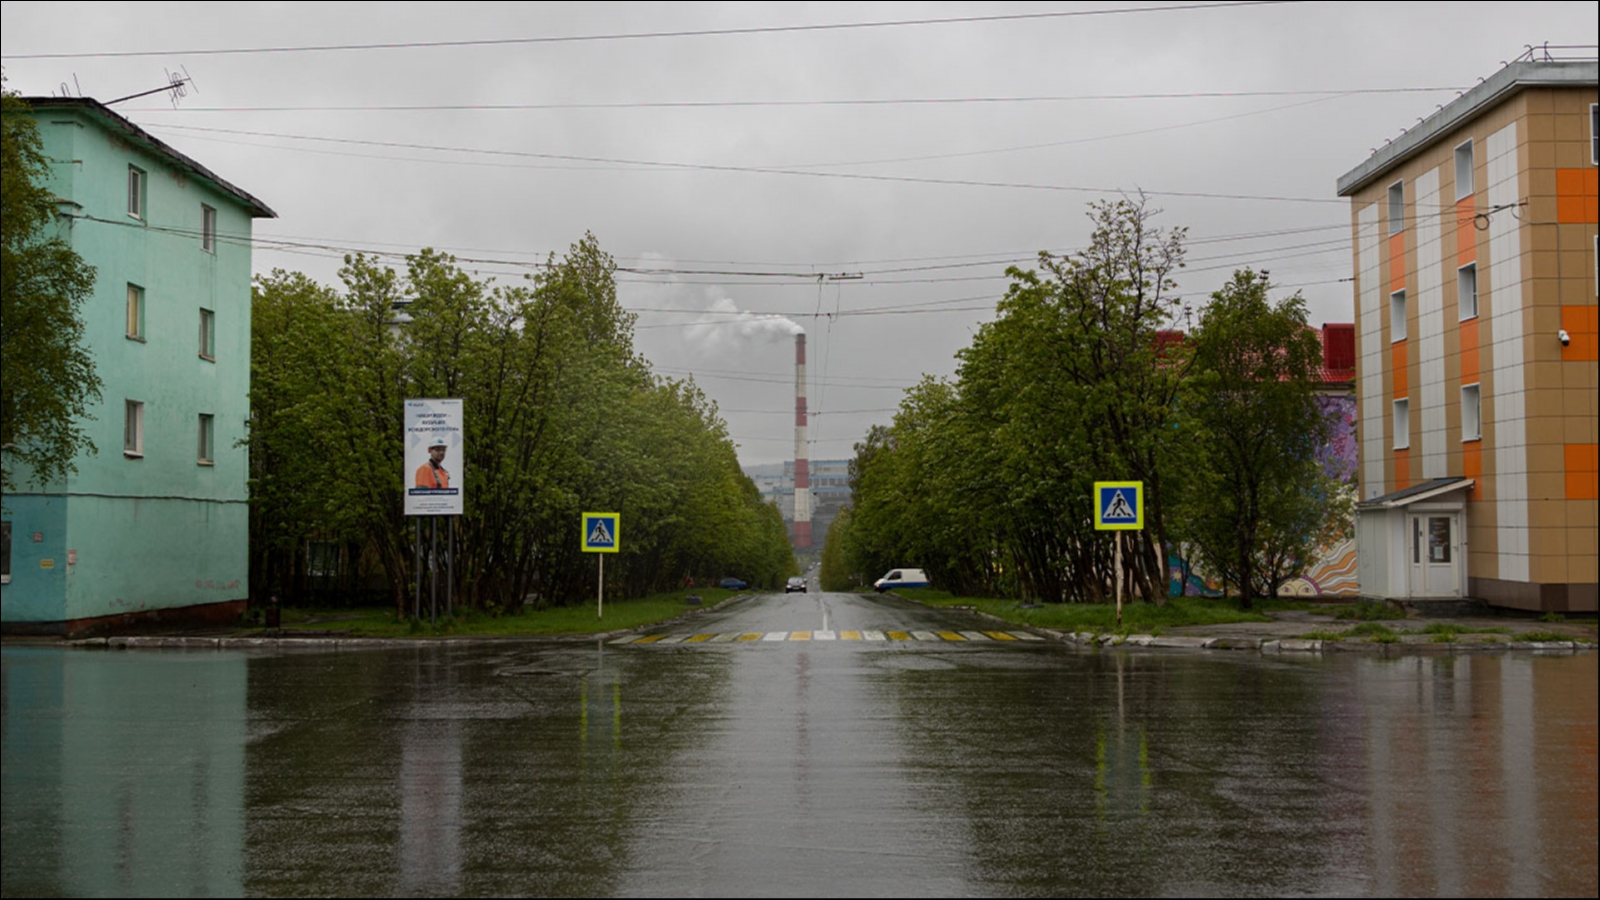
(1475, 262)
(154, 526)
(830, 492)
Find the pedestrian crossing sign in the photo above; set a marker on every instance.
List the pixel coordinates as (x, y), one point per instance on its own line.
(1119, 505)
(602, 532)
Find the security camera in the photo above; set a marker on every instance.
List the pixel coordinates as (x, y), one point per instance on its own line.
(1566, 339)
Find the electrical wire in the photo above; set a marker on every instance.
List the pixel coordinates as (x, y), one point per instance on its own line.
(644, 35)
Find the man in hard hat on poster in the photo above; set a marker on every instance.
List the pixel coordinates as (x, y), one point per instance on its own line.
(432, 474)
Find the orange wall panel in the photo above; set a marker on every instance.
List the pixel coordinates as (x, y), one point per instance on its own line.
(1397, 262)
(1402, 387)
(1578, 196)
(1582, 324)
(1466, 232)
(1469, 351)
(1583, 471)
(1472, 467)
(1402, 469)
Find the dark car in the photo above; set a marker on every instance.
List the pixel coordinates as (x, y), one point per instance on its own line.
(732, 584)
(795, 584)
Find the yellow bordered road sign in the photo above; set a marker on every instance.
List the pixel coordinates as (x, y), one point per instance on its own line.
(602, 532)
(1119, 505)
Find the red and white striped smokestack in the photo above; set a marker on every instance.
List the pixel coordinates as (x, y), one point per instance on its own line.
(802, 464)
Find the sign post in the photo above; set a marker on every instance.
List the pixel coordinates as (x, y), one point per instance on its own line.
(601, 533)
(431, 471)
(1118, 506)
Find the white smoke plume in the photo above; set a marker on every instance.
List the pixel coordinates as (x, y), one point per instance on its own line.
(726, 325)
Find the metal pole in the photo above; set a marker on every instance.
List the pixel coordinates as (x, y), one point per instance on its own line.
(433, 570)
(600, 601)
(450, 573)
(1117, 536)
(416, 546)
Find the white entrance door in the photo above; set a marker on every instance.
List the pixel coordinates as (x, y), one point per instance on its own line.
(1435, 555)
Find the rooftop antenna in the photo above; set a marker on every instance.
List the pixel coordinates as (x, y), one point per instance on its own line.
(179, 85)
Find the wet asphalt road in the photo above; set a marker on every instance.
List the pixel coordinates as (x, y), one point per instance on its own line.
(793, 767)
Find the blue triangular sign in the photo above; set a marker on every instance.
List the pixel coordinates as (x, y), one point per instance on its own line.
(600, 535)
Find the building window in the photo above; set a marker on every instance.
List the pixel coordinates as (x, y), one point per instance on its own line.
(136, 192)
(208, 427)
(1402, 424)
(1467, 290)
(1471, 413)
(1464, 171)
(133, 428)
(1397, 316)
(208, 335)
(1594, 133)
(135, 312)
(1397, 207)
(208, 229)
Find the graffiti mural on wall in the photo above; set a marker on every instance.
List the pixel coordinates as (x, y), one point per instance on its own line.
(1334, 571)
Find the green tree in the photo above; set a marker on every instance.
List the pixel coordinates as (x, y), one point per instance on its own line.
(47, 377)
(1255, 501)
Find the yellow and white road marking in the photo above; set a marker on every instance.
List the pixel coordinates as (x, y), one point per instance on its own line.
(729, 637)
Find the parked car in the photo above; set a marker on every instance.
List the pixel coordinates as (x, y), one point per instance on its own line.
(901, 578)
(795, 584)
(732, 584)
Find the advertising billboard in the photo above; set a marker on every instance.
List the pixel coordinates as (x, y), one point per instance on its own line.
(434, 440)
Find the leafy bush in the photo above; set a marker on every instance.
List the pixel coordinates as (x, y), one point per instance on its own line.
(1367, 611)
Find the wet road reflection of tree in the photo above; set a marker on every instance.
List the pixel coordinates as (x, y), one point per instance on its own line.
(437, 772)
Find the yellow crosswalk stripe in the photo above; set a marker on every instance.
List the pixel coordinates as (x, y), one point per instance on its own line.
(700, 638)
(849, 635)
(950, 635)
(899, 635)
(1000, 635)
(799, 635)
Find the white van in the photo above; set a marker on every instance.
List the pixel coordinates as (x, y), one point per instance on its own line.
(901, 578)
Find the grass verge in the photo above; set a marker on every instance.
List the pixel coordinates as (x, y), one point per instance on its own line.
(1100, 618)
(621, 614)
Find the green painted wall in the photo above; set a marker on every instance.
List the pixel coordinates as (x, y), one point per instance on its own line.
(162, 530)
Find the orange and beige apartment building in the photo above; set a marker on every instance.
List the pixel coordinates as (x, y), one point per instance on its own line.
(1478, 368)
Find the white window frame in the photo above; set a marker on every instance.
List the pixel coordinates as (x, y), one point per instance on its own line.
(208, 335)
(208, 229)
(1397, 207)
(1397, 316)
(1402, 424)
(137, 181)
(133, 429)
(1464, 151)
(1467, 300)
(135, 313)
(1471, 412)
(205, 451)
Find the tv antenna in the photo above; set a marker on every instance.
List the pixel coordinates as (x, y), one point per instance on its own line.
(177, 85)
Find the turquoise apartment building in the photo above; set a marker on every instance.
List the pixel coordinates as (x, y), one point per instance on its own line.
(153, 527)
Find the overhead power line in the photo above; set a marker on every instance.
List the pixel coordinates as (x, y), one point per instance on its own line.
(740, 104)
(768, 170)
(656, 35)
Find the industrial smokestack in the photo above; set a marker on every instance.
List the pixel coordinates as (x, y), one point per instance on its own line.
(802, 464)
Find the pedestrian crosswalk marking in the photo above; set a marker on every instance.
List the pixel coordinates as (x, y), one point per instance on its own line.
(727, 637)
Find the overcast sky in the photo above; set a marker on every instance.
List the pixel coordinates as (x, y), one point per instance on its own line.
(649, 126)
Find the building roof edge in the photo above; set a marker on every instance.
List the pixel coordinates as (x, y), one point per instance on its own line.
(1500, 86)
(112, 119)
